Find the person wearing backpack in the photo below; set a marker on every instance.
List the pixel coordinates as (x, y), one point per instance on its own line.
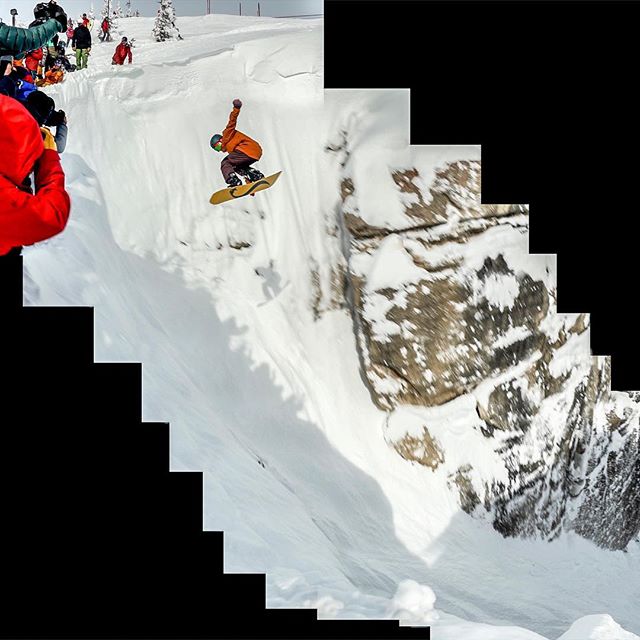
(81, 44)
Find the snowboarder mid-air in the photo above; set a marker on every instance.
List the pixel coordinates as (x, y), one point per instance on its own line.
(243, 151)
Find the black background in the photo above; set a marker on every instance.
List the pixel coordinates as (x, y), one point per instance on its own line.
(548, 90)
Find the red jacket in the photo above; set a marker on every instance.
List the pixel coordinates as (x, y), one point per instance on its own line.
(26, 218)
(122, 51)
(33, 60)
(234, 139)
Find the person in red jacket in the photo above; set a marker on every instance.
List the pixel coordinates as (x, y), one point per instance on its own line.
(105, 30)
(26, 218)
(122, 51)
(33, 61)
(243, 151)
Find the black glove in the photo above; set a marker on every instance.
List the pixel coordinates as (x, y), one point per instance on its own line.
(56, 118)
(57, 13)
(40, 13)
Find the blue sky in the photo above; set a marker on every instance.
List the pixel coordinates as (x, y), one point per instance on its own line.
(183, 7)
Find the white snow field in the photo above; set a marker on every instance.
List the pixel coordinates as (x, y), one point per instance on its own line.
(262, 396)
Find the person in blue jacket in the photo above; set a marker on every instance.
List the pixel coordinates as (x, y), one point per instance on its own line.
(7, 83)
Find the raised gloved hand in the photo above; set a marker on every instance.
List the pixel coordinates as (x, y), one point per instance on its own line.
(40, 13)
(237, 103)
(57, 13)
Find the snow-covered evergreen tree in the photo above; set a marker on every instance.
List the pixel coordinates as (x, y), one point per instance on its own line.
(105, 8)
(118, 10)
(165, 25)
(129, 11)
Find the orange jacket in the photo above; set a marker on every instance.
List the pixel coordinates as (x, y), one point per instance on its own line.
(233, 139)
(52, 77)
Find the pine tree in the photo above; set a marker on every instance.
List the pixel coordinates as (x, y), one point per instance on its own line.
(118, 10)
(165, 25)
(114, 18)
(105, 8)
(129, 11)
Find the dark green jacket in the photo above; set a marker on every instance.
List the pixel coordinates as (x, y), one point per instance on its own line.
(17, 42)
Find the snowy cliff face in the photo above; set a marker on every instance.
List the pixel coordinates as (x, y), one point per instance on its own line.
(451, 310)
(245, 316)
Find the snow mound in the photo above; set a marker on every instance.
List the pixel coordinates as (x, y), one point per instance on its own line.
(600, 627)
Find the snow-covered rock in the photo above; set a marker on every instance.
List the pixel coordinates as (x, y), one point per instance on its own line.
(450, 303)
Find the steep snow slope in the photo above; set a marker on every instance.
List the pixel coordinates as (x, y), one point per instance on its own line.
(251, 357)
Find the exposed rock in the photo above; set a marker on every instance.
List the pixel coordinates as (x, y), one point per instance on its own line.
(453, 195)
(423, 449)
(331, 297)
(469, 499)
(546, 476)
(451, 306)
(610, 510)
(450, 327)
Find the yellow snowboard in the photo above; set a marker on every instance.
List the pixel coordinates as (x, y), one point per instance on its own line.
(233, 193)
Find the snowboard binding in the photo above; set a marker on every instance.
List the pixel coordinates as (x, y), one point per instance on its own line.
(251, 175)
(233, 180)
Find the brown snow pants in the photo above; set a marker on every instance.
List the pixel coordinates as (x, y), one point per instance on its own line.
(236, 160)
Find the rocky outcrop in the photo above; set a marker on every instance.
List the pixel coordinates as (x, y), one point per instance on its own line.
(450, 305)
(609, 511)
(454, 194)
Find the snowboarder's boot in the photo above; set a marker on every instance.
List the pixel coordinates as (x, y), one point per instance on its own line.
(253, 175)
(233, 180)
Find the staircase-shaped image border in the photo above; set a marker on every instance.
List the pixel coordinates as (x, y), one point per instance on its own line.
(100, 539)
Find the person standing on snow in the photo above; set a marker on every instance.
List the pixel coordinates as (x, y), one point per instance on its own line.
(105, 30)
(243, 151)
(123, 50)
(69, 34)
(81, 44)
(24, 149)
